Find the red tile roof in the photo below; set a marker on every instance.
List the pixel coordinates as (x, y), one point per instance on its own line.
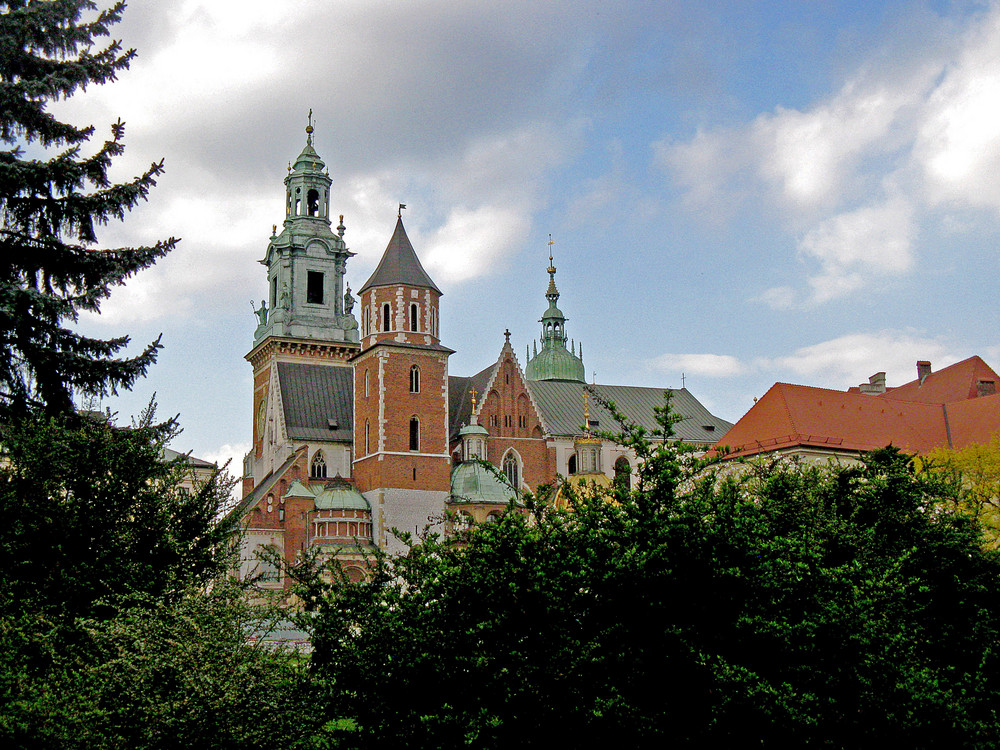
(956, 382)
(943, 411)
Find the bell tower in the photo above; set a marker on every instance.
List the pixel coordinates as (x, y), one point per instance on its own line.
(308, 316)
(402, 464)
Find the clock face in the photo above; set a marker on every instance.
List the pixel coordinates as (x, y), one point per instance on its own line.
(261, 416)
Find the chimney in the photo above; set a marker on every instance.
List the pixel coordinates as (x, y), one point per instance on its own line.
(875, 385)
(923, 370)
(986, 387)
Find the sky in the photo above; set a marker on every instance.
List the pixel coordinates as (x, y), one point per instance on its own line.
(738, 193)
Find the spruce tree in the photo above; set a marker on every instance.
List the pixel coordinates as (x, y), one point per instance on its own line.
(53, 196)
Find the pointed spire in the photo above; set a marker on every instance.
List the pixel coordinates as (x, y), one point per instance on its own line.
(399, 264)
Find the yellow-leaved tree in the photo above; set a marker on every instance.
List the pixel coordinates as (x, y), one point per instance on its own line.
(977, 466)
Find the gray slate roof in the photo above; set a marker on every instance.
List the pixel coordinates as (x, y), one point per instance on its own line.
(460, 397)
(399, 265)
(561, 405)
(318, 401)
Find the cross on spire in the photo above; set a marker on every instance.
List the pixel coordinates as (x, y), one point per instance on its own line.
(506, 336)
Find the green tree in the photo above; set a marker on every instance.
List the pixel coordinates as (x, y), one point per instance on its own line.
(94, 513)
(776, 604)
(163, 674)
(53, 196)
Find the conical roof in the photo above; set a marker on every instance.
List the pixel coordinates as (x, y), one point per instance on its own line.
(399, 265)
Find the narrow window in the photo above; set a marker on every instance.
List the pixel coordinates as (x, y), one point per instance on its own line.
(414, 434)
(314, 288)
(368, 443)
(414, 379)
(622, 472)
(317, 469)
(274, 291)
(312, 203)
(366, 383)
(572, 464)
(512, 470)
(298, 201)
(413, 317)
(385, 317)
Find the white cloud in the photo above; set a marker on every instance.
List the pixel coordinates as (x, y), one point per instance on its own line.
(854, 174)
(855, 246)
(958, 139)
(851, 359)
(233, 453)
(709, 365)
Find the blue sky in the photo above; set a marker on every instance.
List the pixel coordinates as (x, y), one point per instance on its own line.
(739, 193)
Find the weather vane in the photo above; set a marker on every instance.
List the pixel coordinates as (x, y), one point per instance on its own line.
(399, 214)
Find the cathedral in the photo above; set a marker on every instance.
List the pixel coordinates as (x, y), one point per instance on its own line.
(361, 433)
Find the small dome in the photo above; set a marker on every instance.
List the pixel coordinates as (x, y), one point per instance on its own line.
(473, 429)
(340, 495)
(555, 363)
(308, 160)
(471, 482)
(553, 312)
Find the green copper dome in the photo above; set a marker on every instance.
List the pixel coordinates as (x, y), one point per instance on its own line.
(471, 482)
(555, 361)
(340, 495)
(555, 364)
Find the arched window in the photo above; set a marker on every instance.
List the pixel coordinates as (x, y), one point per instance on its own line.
(385, 317)
(298, 201)
(571, 468)
(623, 471)
(312, 203)
(512, 469)
(493, 517)
(413, 317)
(414, 379)
(414, 434)
(317, 469)
(366, 383)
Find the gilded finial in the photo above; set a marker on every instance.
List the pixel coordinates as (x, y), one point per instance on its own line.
(274, 229)
(551, 243)
(309, 128)
(289, 166)
(474, 393)
(586, 410)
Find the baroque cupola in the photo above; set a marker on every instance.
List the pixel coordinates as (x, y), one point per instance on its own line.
(554, 360)
(307, 260)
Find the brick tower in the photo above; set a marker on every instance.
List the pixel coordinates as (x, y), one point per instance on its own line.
(402, 463)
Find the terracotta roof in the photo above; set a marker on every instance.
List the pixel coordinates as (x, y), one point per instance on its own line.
(400, 265)
(791, 416)
(956, 382)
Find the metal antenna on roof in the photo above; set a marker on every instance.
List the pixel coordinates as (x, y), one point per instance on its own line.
(682, 379)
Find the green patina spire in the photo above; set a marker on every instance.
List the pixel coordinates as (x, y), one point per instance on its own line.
(554, 361)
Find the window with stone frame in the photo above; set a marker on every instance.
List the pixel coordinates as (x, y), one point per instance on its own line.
(317, 468)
